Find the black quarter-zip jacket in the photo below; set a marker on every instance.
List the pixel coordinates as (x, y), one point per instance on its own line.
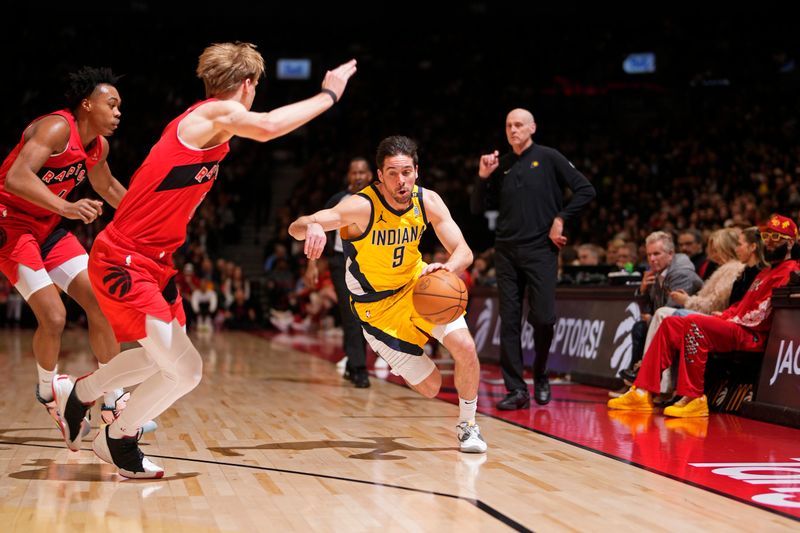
(528, 192)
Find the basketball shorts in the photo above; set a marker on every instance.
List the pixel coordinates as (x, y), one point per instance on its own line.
(32, 263)
(392, 325)
(131, 284)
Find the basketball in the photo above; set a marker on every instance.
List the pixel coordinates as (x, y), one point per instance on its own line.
(440, 297)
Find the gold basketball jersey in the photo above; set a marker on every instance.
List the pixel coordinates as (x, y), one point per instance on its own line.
(385, 257)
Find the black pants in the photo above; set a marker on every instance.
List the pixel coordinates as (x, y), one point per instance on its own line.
(355, 346)
(535, 268)
(638, 337)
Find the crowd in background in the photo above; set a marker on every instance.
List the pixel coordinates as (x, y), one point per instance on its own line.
(703, 143)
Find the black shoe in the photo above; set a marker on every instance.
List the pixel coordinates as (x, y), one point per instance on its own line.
(629, 374)
(516, 399)
(125, 454)
(73, 411)
(541, 390)
(360, 378)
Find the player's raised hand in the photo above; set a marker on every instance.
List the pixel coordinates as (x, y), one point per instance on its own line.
(336, 79)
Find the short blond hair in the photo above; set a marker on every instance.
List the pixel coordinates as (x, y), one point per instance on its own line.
(223, 66)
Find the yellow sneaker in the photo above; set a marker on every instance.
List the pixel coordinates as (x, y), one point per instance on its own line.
(633, 401)
(688, 407)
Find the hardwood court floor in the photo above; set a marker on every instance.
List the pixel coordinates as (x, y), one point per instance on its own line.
(274, 440)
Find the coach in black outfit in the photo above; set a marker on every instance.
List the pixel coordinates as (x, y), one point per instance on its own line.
(526, 186)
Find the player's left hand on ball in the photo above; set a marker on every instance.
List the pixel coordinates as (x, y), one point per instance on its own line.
(433, 267)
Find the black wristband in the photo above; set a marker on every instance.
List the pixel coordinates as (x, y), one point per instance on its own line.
(331, 94)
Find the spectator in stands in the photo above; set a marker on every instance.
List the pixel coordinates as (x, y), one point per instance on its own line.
(241, 314)
(690, 242)
(279, 251)
(235, 282)
(668, 272)
(590, 255)
(207, 269)
(316, 298)
(480, 272)
(715, 295)
(742, 327)
(612, 249)
(279, 284)
(750, 251)
(626, 257)
(204, 305)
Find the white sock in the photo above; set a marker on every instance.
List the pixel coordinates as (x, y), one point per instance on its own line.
(110, 398)
(467, 410)
(641, 392)
(46, 382)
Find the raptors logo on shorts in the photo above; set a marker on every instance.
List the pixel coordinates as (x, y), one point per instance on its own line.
(117, 278)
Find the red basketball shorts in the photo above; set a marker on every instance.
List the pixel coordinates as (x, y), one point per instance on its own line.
(23, 244)
(130, 285)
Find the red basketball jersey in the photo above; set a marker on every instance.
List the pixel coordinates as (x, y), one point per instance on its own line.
(166, 190)
(61, 173)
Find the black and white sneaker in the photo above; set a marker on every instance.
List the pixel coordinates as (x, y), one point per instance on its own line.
(74, 424)
(125, 454)
(470, 439)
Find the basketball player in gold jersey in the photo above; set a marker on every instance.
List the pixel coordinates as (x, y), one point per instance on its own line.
(381, 227)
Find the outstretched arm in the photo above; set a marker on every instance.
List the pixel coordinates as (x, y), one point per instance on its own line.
(354, 210)
(212, 119)
(448, 233)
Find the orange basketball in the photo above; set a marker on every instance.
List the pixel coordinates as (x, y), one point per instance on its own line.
(440, 297)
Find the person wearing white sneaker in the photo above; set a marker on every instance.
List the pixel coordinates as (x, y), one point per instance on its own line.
(381, 227)
(469, 438)
(55, 154)
(131, 266)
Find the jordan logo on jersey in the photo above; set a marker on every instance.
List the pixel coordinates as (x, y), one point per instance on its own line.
(117, 278)
(380, 218)
(189, 175)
